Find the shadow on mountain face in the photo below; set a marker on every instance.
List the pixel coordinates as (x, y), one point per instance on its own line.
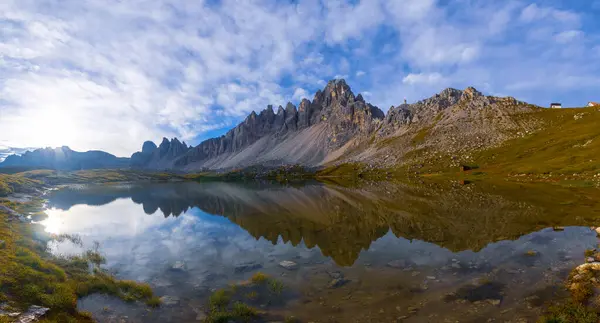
(342, 221)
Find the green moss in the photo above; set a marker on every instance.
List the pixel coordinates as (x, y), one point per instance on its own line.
(276, 286)
(15, 183)
(568, 143)
(54, 177)
(243, 311)
(419, 138)
(219, 299)
(259, 278)
(153, 301)
(31, 276)
(570, 312)
(219, 316)
(252, 295)
(290, 319)
(531, 253)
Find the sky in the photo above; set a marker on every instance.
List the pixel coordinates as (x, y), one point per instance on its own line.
(110, 74)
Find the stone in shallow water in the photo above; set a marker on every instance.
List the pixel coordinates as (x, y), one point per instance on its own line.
(169, 300)
(335, 274)
(338, 282)
(246, 267)
(33, 314)
(289, 265)
(178, 266)
(494, 302)
(399, 264)
(160, 282)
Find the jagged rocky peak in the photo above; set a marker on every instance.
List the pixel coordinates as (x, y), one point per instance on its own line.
(172, 147)
(360, 98)
(148, 147)
(290, 107)
(471, 93)
(280, 110)
(336, 90)
(449, 93)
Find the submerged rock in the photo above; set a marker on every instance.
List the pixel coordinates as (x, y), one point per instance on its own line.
(169, 300)
(160, 282)
(338, 282)
(399, 264)
(246, 267)
(13, 214)
(33, 314)
(179, 266)
(201, 316)
(289, 265)
(335, 274)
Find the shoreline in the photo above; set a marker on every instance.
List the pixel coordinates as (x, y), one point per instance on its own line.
(25, 246)
(37, 284)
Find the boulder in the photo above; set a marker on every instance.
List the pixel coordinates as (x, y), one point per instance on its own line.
(33, 314)
(169, 300)
(289, 265)
(179, 266)
(338, 282)
(246, 267)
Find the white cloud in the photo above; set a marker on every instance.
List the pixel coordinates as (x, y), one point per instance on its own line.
(568, 36)
(299, 94)
(346, 21)
(98, 75)
(112, 76)
(423, 78)
(533, 12)
(340, 76)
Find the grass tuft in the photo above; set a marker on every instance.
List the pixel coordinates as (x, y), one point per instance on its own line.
(275, 286)
(219, 299)
(259, 278)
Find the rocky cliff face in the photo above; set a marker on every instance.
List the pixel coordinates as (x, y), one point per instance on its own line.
(337, 126)
(64, 158)
(452, 123)
(161, 157)
(303, 134)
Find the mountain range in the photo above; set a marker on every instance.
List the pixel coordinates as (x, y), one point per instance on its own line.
(336, 126)
(64, 158)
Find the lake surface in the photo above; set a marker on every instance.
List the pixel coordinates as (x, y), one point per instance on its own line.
(379, 253)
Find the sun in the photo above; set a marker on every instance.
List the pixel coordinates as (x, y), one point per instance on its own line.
(54, 223)
(49, 128)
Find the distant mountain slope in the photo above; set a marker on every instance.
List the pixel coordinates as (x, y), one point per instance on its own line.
(161, 157)
(64, 158)
(303, 135)
(7, 151)
(338, 126)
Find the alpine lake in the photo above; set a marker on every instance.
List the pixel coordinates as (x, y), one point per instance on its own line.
(314, 252)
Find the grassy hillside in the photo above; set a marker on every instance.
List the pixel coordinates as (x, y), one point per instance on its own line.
(30, 275)
(16, 183)
(569, 143)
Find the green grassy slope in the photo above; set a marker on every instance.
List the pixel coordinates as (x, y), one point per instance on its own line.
(569, 143)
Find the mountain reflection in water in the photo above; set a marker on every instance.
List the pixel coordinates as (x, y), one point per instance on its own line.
(344, 221)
